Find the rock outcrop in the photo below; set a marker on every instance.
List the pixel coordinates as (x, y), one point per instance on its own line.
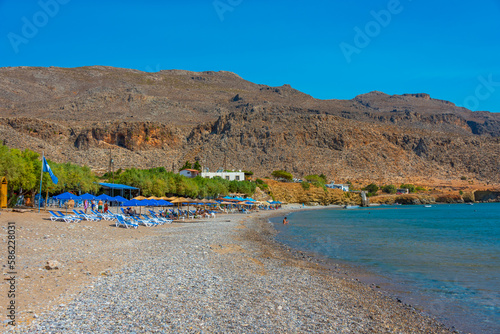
(147, 120)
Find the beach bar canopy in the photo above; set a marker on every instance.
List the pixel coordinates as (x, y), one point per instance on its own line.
(118, 187)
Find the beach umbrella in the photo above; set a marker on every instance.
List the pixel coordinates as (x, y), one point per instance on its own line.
(154, 197)
(162, 202)
(135, 202)
(119, 199)
(87, 196)
(105, 197)
(139, 198)
(66, 196)
(151, 202)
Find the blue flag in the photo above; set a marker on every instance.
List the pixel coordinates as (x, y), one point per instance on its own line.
(46, 168)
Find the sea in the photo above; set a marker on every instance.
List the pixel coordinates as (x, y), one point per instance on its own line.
(444, 260)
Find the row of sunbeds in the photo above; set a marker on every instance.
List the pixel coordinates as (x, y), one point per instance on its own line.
(120, 220)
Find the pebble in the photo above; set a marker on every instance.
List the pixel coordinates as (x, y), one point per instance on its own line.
(179, 284)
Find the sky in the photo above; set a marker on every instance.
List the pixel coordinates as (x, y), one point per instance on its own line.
(327, 49)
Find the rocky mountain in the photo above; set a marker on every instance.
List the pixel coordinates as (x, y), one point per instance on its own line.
(84, 115)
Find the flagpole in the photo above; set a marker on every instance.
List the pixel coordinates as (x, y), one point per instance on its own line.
(41, 178)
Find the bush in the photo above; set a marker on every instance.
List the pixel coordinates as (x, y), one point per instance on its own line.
(305, 185)
(315, 178)
(389, 189)
(411, 188)
(319, 185)
(282, 175)
(463, 178)
(259, 181)
(371, 188)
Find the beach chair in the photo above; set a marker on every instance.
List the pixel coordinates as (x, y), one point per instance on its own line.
(83, 216)
(66, 218)
(54, 217)
(121, 221)
(163, 220)
(71, 218)
(93, 217)
(104, 216)
(145, 222)
(154, 218)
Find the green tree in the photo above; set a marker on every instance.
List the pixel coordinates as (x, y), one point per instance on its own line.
(282, 175)
(411, 188)
(372, 188)
(197, 166)
(389, 189)
(315, 178)
(187, 165)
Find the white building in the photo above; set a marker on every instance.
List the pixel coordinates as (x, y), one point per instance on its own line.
(191, 173)
(343, 187)
(231, 176)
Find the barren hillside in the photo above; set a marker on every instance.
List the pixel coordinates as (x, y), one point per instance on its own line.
(162, 119)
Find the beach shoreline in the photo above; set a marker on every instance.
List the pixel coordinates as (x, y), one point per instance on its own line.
(250, 271)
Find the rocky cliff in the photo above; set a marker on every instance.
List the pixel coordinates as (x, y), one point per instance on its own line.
(84, 115)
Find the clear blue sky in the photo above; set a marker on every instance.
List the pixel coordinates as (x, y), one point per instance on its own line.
(328, 49)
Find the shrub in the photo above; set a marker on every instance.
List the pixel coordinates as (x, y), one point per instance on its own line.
(371, 188)
(463, 178)
(319, 185)
(411, 188)
(282, 175)
(305, 185)
(259, 181)
(389, 189)
(315, 178)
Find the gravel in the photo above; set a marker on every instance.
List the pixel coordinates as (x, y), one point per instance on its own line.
(226, 277)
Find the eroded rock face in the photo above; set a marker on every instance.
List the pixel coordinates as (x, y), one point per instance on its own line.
(144, 120)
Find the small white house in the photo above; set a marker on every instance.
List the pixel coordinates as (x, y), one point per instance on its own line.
(191, 173)
(231, 176)
(343, 187)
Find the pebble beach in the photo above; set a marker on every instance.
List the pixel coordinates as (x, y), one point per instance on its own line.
(222, 275)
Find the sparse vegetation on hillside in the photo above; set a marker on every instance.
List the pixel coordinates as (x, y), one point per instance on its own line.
(282, 175)
(316, 178)
(389, 189)
(411, 188)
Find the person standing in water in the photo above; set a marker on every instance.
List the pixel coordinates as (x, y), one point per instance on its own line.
(285, 221)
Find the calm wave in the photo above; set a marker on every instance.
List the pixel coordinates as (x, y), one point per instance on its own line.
(447, 255)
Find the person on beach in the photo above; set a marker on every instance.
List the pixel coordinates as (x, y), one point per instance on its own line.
(92, 205)
(106, 207)
(86, 205)
(285, 221)
(99, 206)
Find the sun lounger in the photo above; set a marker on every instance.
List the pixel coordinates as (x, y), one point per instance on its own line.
(84, 216)
(62, 217)
(74, 219)
(93, 217)
(121, 221)
(145, 222)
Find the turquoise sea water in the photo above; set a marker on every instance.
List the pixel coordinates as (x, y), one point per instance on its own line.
(444, 259)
